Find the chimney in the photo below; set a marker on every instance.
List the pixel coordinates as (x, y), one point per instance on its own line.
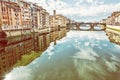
(54, 12)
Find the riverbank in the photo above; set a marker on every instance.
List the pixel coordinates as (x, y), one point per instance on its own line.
(113, 33)
(115, 28)
(27, 58)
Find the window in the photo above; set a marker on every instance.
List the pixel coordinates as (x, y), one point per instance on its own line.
(3, 9)
(4, 66)
(3, 58)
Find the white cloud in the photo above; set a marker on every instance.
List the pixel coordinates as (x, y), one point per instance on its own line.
(88, 54)
(90, 0)
(19, 73)
(111, 66)
(82, 8)
(91, 11)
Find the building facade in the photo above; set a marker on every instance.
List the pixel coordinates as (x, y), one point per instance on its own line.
(114, 19)
(47, 19)
(57, 19)
(11, 18)
(26, 14)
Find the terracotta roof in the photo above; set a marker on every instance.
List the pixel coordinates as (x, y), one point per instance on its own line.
(60, 15)
(13, 5)
(3, 1)
(25, 2)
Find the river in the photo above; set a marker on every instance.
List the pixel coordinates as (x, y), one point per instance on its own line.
(81, 55)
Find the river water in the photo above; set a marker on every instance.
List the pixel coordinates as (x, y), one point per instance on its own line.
(81, 55)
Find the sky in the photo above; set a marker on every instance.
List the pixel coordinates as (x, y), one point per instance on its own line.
(81, 10)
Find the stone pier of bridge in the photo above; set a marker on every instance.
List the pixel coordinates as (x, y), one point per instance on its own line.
(78, 26)
(91, 25)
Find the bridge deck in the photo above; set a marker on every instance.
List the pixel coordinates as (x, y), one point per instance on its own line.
(76, 26)
(87, 30)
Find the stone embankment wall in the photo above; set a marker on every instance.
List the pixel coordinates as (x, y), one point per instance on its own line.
(113, 33)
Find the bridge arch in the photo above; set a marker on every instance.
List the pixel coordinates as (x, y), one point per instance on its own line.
(77, 26)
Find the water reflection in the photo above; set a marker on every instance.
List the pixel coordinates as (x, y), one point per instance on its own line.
(114, 36)
(78, 56)
(85, 27)
(88, 28)
(97, 28)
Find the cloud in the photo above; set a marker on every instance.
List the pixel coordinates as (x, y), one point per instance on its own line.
(81, 8)
(90, 0)
(88, 54)
(112, 66)
(91, 11)
(19, 73)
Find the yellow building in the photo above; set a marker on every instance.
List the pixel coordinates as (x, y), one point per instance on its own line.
(58, 24)
(62, 21)
(58, 20)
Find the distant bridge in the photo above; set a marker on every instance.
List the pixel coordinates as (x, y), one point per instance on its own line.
(77, 26)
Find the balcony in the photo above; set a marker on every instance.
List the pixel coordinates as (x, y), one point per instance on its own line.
(26, 9)
(17, 27)
(5, 27)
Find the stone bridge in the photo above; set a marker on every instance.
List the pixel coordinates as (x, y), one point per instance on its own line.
(77, 26)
